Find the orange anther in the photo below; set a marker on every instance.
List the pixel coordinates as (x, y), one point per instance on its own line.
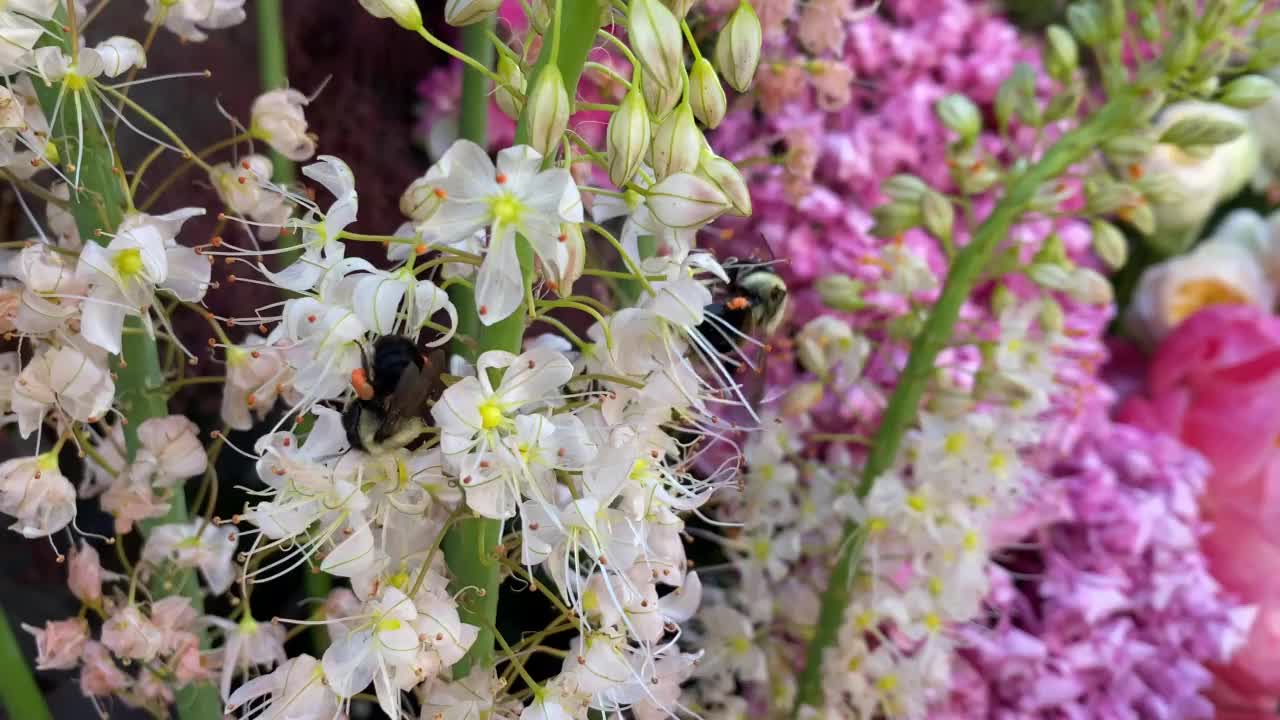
(360, 381)
(420, 249)
(501, 178)
(738, 303)
(440, 193)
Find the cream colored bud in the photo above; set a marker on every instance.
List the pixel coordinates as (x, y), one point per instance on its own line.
(821, 342)
(660, 101)
(706, 96)
(737, 52)
(1052, 318)
(1109, 244)
(1089, 286)
(628, 137)
(679, 8)
(1051, 276)
(904, 187)
(656, 40)
(570, 260)
(549, 113)
(937, 214)
(1248, 92)
(421, 199)
(466, 12)
(677, 143)
(404, 12)
(958, 113)
(728, 178)
(801, 399)
(509, 94)
(840, 292)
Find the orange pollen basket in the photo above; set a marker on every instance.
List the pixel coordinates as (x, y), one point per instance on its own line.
(360, 381)
(738, 303)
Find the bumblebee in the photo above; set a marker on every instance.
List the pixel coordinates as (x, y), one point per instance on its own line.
(394, 389)
(754, 303)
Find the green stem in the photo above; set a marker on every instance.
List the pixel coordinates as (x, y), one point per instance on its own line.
(469, 546)
(965, 271)
(98, 209)
(273, 69)
(20, 694)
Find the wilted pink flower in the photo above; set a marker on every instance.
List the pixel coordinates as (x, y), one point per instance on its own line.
(84, 575)
(1213, 384)
(129, 634)
(60, 643)
(100, 677)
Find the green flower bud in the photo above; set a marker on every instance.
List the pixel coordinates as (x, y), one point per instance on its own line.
(1052, 252)
(466, 12)
(1002, 298)
(1052, 319)
(1109, 244)
(840, 292)
(938, 214)
(1085, 20)
(404, 12)
(737, 52)
(1050, 275)
(1064, 104)
(677, 143)
(1140, 217)
(706, 96)
(726, 176)
(1088, 286)
(656, 41)
(1202, 130)
(1248, 91)
(509, 94)
(549, 113)
(1061, 56)
(895, 218)
(660, 101)
(903, 187)
(958, 113)
(1128, 150)
(628, 137)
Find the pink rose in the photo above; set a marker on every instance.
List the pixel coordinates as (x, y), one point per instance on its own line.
(1214, 383)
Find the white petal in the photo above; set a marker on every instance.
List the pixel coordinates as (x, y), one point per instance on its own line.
(189, 273)
(428, 299)
(534, 376)
(102, 322)
(354, 555)
(377, 300)
(686, 201)
(334, 174)
(521, 165)
(350, 663)
(500, 283)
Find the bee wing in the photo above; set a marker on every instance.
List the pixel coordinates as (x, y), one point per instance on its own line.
(415, 389)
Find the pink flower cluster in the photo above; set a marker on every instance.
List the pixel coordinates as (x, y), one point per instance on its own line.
(1106, 609)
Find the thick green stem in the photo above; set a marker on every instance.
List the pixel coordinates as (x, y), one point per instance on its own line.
(469, 546)
(965, 271)
(18, 691)
(98, 207)
(273, 69)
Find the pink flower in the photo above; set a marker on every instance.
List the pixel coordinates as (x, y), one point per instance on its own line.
(100, 677)
(84, 575)
(1213, 384)
(129, 634)
(60, 644)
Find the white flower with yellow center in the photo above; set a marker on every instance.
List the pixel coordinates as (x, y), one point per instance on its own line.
(383, 641)
(515, 196)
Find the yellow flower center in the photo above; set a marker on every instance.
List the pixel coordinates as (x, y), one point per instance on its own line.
(740, 645)
(916, 502)
(887, 684)
(877, 525)
(955, 443)
(47, 462)
(490, 415)
(932, 622)
(639, 470)
(75, 81)
(388, 624)
(506, 209)
(760, 547)
(400, 580)
(128, 262)
(1193, 296)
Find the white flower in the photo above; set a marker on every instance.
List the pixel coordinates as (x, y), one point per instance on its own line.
(174, 443)
(295, 691)
(64, 378)
(730, 644)
(143, 256)
(245, 190)
(385, 642)
(112, 57)
(473, 414)
(277, 118)
(211, 549)
(322, 246)
(19, 30)
(189, 18)
(255, 373)
(525, 462)
(50, 287)
(515, 196)
(34, 491)
(1217, 272)
(249, 644)
(466, 699)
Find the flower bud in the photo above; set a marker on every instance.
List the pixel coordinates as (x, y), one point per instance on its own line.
(1052, 251)
(420, 200)
(513, 82)
(938, 214)
(569, 262)
(737, 52)
(276, 117)
(1088, 286)
(1052, 319)
(677, 143)
(685, 200)
(466, 12)
(840, 292)
(895, 218)
(549, 113)
(1248, 92)
(1002, 298)
(1140, 216)
(679, 8)
(1050, 275)
(1109, 244)
(823, 341)
(802, 398)
(726, 176)
(660, 101)
(706, 97)
(404, 12)
(656, 41)
(958, 113)
(1127, 150)
(1061, 56)
(1085, 20)
(1202, 130)
(628, 138)
(904, 188)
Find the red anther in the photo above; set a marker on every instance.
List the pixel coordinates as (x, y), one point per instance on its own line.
(311, 318)
(250, 400)
(255, 354)
(501, 178)
(242, 179)
(483, 310)
(244, 164)
(440, 193)
(564, 237)
(420, 249)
